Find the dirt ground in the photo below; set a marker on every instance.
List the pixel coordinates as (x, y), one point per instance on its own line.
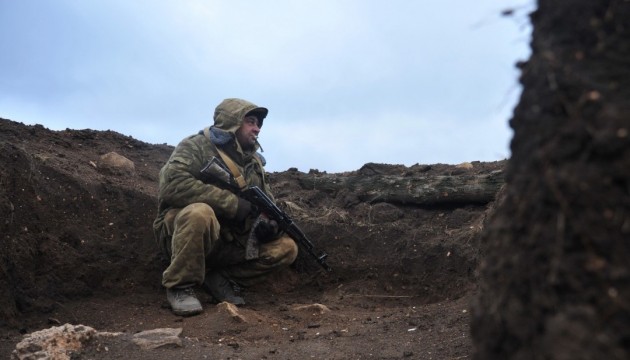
(77, 248)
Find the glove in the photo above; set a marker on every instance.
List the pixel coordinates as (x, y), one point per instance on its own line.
(266, 230)
(243, 210)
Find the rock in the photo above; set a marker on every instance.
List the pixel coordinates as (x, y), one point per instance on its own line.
(68, 341)
(232, 311)
(56, 343)
(152, 339)
(315, 308)
(113, 163)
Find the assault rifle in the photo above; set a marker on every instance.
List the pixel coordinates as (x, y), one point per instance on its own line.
(258, 197)
(216, 170)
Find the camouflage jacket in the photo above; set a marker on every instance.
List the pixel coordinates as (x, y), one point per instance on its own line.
(181, 182)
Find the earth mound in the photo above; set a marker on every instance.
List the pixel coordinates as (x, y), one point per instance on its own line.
(77, 247)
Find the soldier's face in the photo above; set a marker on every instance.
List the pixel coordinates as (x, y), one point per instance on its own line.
(247, 134)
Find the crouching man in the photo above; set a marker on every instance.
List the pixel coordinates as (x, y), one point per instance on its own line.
(203, 227)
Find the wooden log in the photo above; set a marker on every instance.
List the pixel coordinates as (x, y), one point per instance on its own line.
(415, 190)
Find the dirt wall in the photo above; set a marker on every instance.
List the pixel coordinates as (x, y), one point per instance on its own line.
(555, 280)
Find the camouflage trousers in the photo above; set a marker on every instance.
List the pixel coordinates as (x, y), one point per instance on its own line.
(191, 238)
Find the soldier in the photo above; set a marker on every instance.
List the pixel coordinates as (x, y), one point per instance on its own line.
(203, 227)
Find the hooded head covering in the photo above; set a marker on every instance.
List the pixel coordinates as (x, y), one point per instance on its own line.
(228, 117)
(229, 114)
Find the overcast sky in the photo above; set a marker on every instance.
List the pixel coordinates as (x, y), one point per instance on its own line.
(346, 82)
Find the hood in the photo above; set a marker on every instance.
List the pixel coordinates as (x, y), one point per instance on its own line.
(229, 114)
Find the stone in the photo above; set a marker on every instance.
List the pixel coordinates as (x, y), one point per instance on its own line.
(113, 163)
(56, 343)
(232, 311)
(153, 339)
(314, 308)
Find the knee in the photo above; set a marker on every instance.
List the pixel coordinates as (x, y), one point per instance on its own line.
(280, 252)
(196, 221)
(198, 215)
(288, 250)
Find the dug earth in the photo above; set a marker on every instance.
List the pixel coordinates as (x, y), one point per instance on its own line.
(80, 271)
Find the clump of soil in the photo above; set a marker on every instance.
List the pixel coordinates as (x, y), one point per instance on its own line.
(77, 247)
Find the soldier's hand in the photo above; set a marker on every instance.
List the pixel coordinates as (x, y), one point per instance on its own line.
(267, 230)
(243, 210)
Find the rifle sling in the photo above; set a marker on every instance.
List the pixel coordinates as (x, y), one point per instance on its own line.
(240, 180)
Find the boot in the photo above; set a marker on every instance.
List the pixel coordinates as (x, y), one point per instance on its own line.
(221, 288)
(183, 301)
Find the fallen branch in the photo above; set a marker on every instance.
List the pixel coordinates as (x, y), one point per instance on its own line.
(418, 190)
(381, 296)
